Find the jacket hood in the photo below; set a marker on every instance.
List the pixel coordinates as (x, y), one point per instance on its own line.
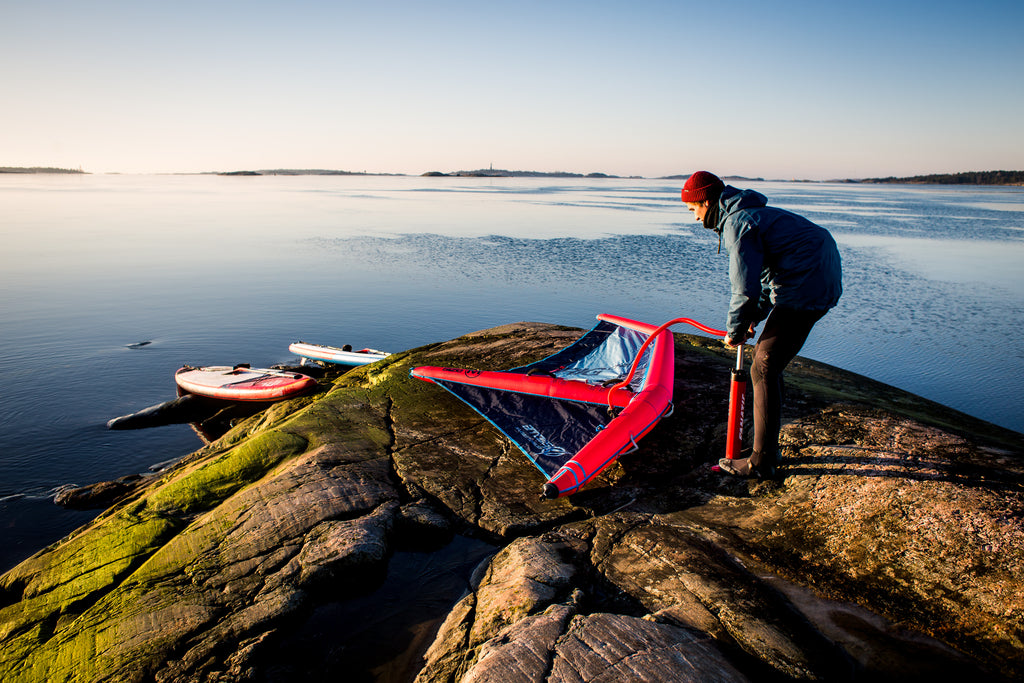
(736, 200)
(730, 201)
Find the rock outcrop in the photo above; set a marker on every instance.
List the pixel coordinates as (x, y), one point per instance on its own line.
(893, 546)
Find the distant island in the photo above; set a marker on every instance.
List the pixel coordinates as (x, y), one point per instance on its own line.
(968, 178)
(684, 176)
(39, 169)
(300, 171)
(502, 173)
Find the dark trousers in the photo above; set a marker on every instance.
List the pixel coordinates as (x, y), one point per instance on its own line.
(784, 333)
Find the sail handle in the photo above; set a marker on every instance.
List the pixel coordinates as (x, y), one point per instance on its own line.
(650, 338)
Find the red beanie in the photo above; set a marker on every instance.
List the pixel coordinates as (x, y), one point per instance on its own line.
(702, 185)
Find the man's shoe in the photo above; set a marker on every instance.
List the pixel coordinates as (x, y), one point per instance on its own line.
(742, 467)
(738, 467)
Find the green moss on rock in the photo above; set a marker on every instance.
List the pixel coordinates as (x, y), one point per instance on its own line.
(213, 480)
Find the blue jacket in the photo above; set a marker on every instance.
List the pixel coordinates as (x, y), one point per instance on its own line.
(776, 258)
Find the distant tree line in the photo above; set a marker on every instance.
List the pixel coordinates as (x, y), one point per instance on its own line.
(502, 173)
(968, 178)
(300, 171)
(38, 169)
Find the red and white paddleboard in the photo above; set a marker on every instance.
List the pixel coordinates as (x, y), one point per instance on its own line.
(241, 383)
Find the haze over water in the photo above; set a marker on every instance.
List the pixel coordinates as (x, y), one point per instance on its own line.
(223, 270)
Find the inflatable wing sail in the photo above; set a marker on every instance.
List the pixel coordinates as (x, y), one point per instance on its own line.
(571, 413)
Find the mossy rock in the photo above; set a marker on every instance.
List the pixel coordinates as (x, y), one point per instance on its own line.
(889, 503)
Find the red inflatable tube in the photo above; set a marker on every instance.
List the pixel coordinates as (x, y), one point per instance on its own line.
(636, 419)
(620, 436)
(639, 411)
(651, 329)
(538, 385)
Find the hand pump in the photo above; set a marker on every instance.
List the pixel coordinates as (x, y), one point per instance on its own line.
(737, 399)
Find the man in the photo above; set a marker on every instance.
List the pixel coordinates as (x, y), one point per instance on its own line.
(784, 270)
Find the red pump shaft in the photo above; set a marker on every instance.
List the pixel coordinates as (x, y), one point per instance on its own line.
(737, 401)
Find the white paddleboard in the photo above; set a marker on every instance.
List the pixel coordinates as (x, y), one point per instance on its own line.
(331, 354)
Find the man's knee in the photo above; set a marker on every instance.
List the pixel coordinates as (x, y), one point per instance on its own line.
(763, 365)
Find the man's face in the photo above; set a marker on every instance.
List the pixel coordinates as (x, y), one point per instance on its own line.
(700, 209)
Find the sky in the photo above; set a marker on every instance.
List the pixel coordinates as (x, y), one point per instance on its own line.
(769, 88)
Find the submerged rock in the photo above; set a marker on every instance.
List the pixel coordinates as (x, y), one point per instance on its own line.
(892, 547)
(99, 495)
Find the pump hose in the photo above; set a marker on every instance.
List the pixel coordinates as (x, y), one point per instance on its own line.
(650, 338)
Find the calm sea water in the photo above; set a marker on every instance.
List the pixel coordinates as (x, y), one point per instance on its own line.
(223, 270)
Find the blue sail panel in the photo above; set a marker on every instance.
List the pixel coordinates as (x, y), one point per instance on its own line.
(604, 354)
(549, 431)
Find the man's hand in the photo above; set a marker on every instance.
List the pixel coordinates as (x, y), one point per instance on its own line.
(732, 342)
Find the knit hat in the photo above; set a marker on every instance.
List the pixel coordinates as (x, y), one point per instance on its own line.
(702, 185)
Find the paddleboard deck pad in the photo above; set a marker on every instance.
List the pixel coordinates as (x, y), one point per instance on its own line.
(331, 354)
(242, 383)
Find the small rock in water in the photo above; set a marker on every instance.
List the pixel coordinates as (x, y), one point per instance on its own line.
(98, 495)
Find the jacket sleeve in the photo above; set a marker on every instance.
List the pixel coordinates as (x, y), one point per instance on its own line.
(746, 261)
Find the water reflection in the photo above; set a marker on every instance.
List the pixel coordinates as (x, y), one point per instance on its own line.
(219, 271)
(993, 264)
